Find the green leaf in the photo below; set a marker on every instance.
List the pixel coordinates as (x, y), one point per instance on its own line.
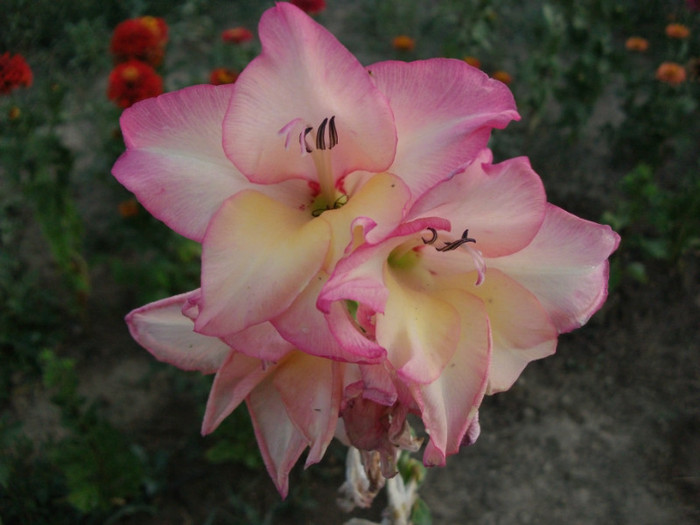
(420, 513)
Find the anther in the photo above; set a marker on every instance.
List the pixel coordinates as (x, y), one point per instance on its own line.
(432, 239)
(306, 144)
(449, 246)
(320, 135)
(340, 202)
(332, 133)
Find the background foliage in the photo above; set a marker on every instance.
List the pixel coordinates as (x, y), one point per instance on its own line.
(611, 142)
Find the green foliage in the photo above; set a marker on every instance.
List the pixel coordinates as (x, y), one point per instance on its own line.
(39, 167)
(412, 470)
(100, 468)
(31, 489)
(234, 442)
(420, 514)
(84, 476)
(657, 224)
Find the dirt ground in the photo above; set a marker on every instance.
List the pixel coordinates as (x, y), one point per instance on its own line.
(605, 431)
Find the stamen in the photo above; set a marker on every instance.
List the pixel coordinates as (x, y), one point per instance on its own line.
(332, 133)
(340, 202)
(433, 238)
(303, 138)
(318, 140)
(321, 135)
(449, 246)
(313, 141)
(476, 255)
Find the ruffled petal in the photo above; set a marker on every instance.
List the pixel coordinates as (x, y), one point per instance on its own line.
(236, 378)
(502, 205)
(373, 211)
(349, 334)
(303, 76)
(307, 328)
(521, 329)
(280, 442)
(163, 330)
(565, 266)
(311, 388)
(261, 341)
(360, 276)
(378, 383)
(449, 404)
(444, 111)
(258, 256)
(175, 162)
(419, 331)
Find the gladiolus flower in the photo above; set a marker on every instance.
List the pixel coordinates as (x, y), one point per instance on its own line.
(678, 31)
(334, 300)
(473, 61)
(133, 81)
(403, 43)
(671, 73)
(222, 75)
(142, 38)
(237, 35)
(310, 6)
(636, 43)
(14, 73)
(461, 313)
(502, 76)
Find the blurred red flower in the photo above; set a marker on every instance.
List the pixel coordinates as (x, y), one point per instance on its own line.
(403, 43)
(132, 81)
(237, 35)
(677, 31)
(143, 38)
(221, 75)
(473, 61)
(503, 76)
(637, 43)
(310, 6)
(14, 72)
(128, 208)
(671, 73)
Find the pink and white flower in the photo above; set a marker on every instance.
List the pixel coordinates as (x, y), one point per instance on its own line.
(461, 313)
(337, 207)
(295, 399)
(275, 174)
